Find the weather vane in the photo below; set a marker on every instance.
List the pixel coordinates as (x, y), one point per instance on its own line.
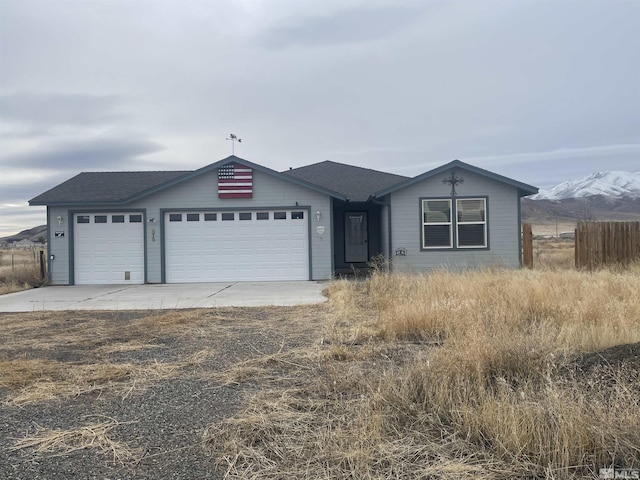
(453, 180)
(233, 139)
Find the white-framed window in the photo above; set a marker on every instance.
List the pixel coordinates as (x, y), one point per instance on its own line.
(436, 224)
(471, 222)
(459, 223)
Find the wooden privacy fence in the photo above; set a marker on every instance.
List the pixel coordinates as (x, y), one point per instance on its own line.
(606, 243)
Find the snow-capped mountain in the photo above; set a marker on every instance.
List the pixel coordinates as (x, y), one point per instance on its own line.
(607, 184)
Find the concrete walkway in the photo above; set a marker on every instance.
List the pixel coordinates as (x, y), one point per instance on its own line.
(157, 297)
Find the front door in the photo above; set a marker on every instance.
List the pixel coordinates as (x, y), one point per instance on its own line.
(356, 246)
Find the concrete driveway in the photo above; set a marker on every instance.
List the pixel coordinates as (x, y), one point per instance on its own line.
(157, 297)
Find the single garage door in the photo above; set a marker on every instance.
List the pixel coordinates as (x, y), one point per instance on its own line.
(236, 246)
(108, 248)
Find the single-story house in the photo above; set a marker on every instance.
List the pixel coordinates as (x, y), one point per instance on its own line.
(235, 220)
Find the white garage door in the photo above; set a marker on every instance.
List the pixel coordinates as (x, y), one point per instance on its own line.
(236, 246)
(108, 248)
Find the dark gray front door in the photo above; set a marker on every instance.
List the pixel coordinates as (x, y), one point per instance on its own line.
(356, 246)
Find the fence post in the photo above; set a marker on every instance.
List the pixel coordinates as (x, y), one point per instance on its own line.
(42, 265)
(527, 246)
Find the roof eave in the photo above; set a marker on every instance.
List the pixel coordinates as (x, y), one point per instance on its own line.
(523, 188)
(189, 175)
(76, 203)
(215, 165)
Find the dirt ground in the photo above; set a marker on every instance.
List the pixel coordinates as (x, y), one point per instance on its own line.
(109, 395)
(142, 395)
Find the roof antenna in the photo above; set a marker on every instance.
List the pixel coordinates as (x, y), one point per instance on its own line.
(233, 139)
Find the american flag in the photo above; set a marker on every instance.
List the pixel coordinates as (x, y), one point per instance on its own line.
(235, 181)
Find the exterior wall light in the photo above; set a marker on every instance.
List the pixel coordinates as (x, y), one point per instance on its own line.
(318, 215)
(60, 219)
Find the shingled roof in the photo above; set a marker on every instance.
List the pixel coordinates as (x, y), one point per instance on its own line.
(104, 187)
(355, 183)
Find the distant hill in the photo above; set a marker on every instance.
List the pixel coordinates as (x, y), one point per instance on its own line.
(601, 196)
(604, 184)
(595, 208)
(34, 234)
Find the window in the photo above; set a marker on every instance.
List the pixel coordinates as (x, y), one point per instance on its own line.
(279, 215)
(100, 219)
(175, 217)
(210, 217)
(262, 216)
(83, 218)
(193, 217)
(471, 222)
(245, 215)
(228, 216)
(297, 215)
(135, 218)
(436, 224)
(117, 219)
(454, 224)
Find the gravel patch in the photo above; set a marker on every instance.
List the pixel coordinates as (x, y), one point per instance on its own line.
(157, 424)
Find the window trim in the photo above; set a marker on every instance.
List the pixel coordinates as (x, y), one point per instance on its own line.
(454, 224)
(483, 222)
(424, 224)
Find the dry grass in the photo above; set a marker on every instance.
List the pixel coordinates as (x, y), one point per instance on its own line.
(554, 254)
(52, 357)
(55, 442)
(41, 380)
(19, 270)
(451, 376)
(471, 375)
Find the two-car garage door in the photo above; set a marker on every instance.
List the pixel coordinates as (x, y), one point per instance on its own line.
(217, 246)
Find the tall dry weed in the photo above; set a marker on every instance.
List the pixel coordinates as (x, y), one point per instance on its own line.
(579, 311)
(498, 379)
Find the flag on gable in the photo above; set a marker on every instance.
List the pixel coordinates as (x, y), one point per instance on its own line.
(235, 181)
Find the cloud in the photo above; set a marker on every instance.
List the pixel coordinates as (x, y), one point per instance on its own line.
(59, 109)
(35, 171)
(346, 26)
(15, 219)
(18, 193)
(105, 153)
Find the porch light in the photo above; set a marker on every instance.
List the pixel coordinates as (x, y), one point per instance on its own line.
(318, 215)
(60, 219)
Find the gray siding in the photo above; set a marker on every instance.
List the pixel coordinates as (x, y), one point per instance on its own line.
(384, 231)
(503, 225)
(201, 193)
(59, 247)
(268, 191)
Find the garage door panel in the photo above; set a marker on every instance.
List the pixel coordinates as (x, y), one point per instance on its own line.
(236, 250)
(103, 252)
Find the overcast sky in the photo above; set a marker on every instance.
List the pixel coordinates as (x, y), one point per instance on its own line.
(540, 91)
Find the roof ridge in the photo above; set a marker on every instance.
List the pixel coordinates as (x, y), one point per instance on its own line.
(344, 165)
